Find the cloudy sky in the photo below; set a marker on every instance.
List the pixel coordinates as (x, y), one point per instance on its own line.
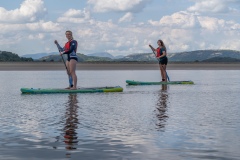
(120, 27)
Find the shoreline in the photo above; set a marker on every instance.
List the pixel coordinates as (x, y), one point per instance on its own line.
(44, 66)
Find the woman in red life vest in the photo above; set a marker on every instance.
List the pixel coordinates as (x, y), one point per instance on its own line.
(162, 58)
(70, 49)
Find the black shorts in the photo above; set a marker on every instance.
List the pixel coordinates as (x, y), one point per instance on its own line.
(163, 61)
(72, 58)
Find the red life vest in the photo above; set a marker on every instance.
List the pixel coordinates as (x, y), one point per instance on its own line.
(67, 46)
(159, 53)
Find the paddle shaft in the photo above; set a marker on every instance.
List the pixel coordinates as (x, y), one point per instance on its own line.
(60, 49)
(162, 66)
(68, 72)
(69, 76)
(65, 65)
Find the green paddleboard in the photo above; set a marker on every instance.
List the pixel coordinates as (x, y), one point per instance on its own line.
(79, 90)
(131, 82)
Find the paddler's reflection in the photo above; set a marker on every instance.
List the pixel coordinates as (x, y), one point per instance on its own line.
(71, 124)
(161, 108)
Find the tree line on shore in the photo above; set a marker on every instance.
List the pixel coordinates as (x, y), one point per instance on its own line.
(192, 56)
(12, 57)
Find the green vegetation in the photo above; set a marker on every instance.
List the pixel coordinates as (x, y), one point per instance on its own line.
(202, 55)
(182, 57)
(81, 58)
(12, 57)
(141, 57)
(221, 59)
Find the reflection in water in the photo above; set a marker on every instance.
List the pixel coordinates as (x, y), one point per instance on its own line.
(71, 124)
(162, 108)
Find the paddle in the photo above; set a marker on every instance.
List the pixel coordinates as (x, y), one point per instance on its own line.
(69, 76)
(159, 60)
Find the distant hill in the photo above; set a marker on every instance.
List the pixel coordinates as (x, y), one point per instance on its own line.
(193, 56)
(118, 57)
(42, 56)
(142, 57)
(202, 55)
(12, 57)
(39, 55)
(81, 58)
(105, 54)
(101, 54)
(221, 59)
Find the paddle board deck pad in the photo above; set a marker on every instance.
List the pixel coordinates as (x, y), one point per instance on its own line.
(132, 82)
(79, 90)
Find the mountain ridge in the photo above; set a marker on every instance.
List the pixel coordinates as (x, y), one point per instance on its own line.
(189, 56)
(39, 55)
(200, 55)
(101, 54)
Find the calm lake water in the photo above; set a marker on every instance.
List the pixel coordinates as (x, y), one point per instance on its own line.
(171, 122)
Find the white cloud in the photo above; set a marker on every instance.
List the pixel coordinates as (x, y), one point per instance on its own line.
(77, 13)
(118, 5)
(29, 11)
(235, 26)
(37, 36)
(25, 26)
(108, 36)
(218, 25)
(186, 31)
(232, 45)
(215, 6)
(128, 17)
(40, 26)
(212, 24)
(99, 36)
(75, 16)
(179, 20)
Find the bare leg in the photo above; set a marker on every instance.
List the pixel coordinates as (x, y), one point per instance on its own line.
(68, 72)
(162, 72)
(73, 64)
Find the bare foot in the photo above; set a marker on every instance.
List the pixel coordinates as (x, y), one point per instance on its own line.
(68, 88)
(73, 88)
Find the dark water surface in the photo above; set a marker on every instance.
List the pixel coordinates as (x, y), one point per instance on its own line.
(171, 122)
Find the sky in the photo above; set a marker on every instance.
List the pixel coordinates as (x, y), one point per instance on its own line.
(119, 27)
